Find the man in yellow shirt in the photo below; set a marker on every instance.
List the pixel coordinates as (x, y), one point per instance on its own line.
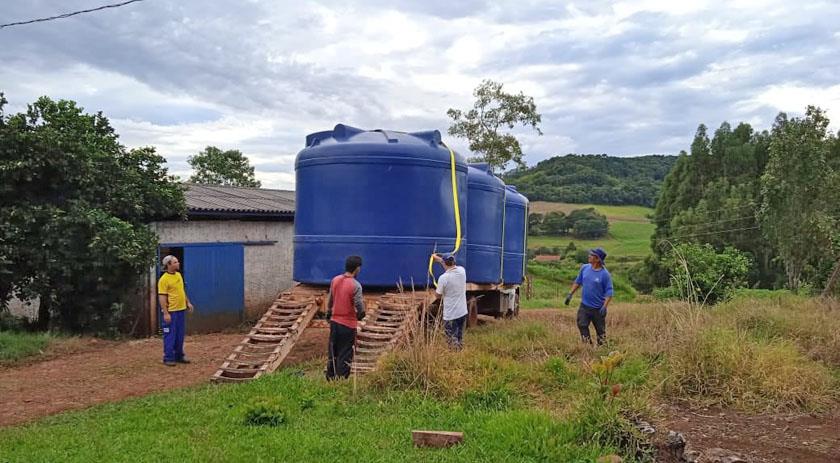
(173, 303)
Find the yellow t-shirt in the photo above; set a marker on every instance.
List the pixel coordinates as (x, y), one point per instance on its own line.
(172, 285)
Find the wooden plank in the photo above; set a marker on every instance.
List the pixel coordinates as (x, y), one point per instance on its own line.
(307, 317)
(365, 334)
(436, 439)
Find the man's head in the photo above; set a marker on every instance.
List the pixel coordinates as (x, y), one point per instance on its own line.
(597, 255)
(170, 264)
(448, 260)
(353, 265)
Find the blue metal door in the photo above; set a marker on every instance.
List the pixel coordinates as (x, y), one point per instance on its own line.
(214, 276)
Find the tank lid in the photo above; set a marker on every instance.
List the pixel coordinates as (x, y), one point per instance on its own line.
(343, 132)
(483, 166)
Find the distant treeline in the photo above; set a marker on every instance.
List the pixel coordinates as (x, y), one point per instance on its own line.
(594, 178)
(580, 223)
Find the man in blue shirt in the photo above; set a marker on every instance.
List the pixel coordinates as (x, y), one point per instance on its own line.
(597, 294)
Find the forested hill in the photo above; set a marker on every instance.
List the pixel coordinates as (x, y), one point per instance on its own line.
(594, 179)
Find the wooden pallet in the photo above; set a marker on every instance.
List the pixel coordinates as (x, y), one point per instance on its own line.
(273, 337)
(391, 322)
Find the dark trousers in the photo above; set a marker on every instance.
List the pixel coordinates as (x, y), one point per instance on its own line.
(587, 315)
(340, 351)
(454, 330)
(173, 336)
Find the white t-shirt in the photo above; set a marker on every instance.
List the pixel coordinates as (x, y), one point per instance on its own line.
(452, 285)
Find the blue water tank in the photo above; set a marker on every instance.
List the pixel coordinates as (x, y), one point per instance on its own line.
(485, 223)
(383, 195)
(516, 221)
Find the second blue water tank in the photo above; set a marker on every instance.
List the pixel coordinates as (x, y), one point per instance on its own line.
(516, 221)
(485, 223)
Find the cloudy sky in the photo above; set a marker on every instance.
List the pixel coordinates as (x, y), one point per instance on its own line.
(623, 78)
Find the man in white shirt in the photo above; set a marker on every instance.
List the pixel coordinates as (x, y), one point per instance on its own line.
(452, 288)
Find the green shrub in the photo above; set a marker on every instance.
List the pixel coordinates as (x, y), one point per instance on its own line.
(264, 412)
(702, 275)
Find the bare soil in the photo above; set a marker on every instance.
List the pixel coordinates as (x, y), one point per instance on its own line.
(93, 371)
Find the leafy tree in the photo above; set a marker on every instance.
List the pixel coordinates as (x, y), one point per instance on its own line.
(213, 166)
(702, 275)
(483, 125)
(554, 223)
(799, 193)
(73, 208)
(535, 224)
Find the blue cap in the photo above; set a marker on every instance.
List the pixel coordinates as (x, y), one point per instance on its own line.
(600, 253)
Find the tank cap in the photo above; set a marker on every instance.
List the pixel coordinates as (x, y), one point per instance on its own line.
(430, 136)
(482, 166)
(343, 132)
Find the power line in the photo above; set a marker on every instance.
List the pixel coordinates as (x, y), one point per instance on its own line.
(751, 204)
(755, 227)
(716, 222)
(67, 15)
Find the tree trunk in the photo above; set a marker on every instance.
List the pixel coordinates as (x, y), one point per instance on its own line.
(43, 323)
(832, 280)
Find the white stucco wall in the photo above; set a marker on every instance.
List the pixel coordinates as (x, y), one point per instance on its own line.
(268, 268)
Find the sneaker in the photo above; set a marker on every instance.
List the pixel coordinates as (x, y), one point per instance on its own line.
(183, 360)
(169, 363)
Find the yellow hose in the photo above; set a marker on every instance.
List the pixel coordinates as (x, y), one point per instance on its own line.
(457, 209)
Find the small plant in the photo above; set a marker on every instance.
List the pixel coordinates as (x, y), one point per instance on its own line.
(265, 412)
(497, 399)
(604, 369)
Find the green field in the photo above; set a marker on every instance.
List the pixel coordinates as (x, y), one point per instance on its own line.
(613, 213)
(627, 242)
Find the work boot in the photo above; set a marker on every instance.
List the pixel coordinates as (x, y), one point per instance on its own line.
(183, 360)
(169, 363)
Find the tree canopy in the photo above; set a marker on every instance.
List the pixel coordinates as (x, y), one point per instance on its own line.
(212, 166)
(484, 125)
(74, 207)
(594, 178)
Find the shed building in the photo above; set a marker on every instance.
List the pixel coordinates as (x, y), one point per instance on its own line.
(235, 250)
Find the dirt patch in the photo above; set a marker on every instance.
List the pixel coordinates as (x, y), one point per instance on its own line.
(104, 371)
(84, 371)
(757, 438)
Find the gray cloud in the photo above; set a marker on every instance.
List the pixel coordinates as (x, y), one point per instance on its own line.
(259, 75)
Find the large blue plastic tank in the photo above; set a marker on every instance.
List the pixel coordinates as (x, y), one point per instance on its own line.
(383, 195)
(485, 223)
(516, 221)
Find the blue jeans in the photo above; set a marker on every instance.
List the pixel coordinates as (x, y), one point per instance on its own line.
(173, 336)
(455, 331)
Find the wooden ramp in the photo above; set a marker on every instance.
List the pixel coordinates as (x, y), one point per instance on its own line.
(389, 322)
(391, 318)
(273, 336)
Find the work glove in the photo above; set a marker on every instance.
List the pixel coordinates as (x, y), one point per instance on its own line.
(329, 314)
(568, 299)
(360, 315)
(603, 311)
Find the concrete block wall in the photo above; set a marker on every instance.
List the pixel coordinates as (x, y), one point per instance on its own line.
(268, 268)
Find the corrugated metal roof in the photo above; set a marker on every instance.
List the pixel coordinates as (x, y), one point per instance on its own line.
(230, 199)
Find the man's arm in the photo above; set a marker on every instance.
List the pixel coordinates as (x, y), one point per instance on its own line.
(575, 285)
(329, 302)
(163, 299)
(608, 293)
(358, 301)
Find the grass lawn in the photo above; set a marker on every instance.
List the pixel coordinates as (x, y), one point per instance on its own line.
(15, 346)
(522, 390)
(625, 239)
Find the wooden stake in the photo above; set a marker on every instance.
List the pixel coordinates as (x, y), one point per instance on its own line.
(436, 439)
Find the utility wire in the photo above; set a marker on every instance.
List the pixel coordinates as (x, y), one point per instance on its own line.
(707, 233)
(67, 15)
(717, 210)
(703, 224)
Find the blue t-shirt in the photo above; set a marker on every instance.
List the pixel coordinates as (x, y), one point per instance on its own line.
(597, 286)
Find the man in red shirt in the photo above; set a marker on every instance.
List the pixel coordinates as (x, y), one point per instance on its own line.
(345, 307)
